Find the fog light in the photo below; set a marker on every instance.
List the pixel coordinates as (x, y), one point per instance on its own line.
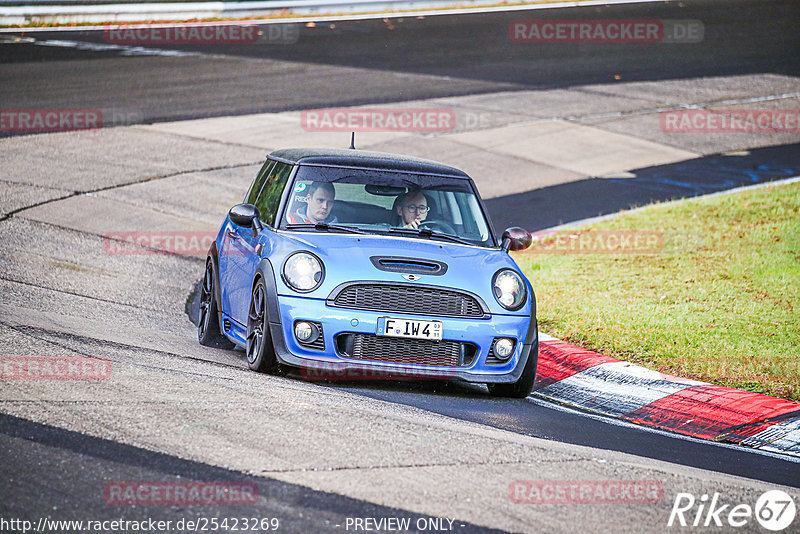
(303, 331)
(503, 348)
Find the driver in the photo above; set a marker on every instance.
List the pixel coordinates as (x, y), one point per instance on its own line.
(318, 206)
(412, 207)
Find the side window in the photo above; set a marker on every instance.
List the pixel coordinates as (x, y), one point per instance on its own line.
(270, 196)
(258, 183)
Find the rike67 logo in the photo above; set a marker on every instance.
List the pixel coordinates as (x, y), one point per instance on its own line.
(774, 510)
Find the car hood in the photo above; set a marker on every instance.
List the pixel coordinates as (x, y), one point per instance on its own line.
(347, 258)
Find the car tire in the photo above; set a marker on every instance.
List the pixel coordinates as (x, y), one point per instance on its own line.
(208, 332)
(524, 384)
(259, 349)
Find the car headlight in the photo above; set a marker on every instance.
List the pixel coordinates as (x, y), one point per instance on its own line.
(303, 272)
(509, 289)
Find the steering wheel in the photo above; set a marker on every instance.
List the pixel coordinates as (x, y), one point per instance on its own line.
(437, 226)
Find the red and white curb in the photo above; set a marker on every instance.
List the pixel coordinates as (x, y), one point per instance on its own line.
(581, 378)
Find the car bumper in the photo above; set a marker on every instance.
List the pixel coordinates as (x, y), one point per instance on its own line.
(329, 363)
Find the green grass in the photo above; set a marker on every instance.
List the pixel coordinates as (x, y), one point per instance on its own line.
(719, 302)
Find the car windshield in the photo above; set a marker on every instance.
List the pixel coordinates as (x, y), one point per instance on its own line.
(386, 202)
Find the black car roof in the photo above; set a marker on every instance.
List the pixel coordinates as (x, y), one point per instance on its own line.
(364, 159)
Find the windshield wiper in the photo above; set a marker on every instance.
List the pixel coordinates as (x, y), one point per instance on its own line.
(325, 227)
(427, 232)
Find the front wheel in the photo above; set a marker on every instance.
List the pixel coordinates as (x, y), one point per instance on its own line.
(524, 384)
(260, 351)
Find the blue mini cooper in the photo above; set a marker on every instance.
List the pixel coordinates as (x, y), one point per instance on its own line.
(366, 264)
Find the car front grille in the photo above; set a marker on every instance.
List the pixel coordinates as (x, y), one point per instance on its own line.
(406, 351)
(421, 300)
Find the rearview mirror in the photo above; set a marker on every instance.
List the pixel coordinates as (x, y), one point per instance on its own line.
(246, 215)
(384, 190)
(516, 238)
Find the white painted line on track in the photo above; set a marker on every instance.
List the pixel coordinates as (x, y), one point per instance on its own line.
(124, 50)
(329, 18)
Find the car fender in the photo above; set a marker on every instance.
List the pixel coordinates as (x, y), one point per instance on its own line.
(266, 272)
(530, 348)
(213, 253)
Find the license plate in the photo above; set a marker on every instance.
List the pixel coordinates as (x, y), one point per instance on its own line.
(411, 328)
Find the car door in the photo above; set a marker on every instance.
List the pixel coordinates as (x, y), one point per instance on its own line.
(243, 245)
(230, 250)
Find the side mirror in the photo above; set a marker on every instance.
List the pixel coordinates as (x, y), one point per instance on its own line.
(246, 215)
(516, 238)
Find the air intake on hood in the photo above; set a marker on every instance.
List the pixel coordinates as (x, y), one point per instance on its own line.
(399, 264)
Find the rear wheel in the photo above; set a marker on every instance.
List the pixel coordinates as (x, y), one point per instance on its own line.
(208, 332)
(260, 351)
(524, 385)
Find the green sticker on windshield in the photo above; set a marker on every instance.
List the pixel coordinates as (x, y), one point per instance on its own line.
(299, 187)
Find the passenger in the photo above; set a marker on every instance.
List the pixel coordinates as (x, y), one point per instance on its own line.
(412, 208)
(318, 205)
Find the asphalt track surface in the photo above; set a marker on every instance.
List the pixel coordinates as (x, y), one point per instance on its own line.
(370, 62)
(35, 449)
(543, 420)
